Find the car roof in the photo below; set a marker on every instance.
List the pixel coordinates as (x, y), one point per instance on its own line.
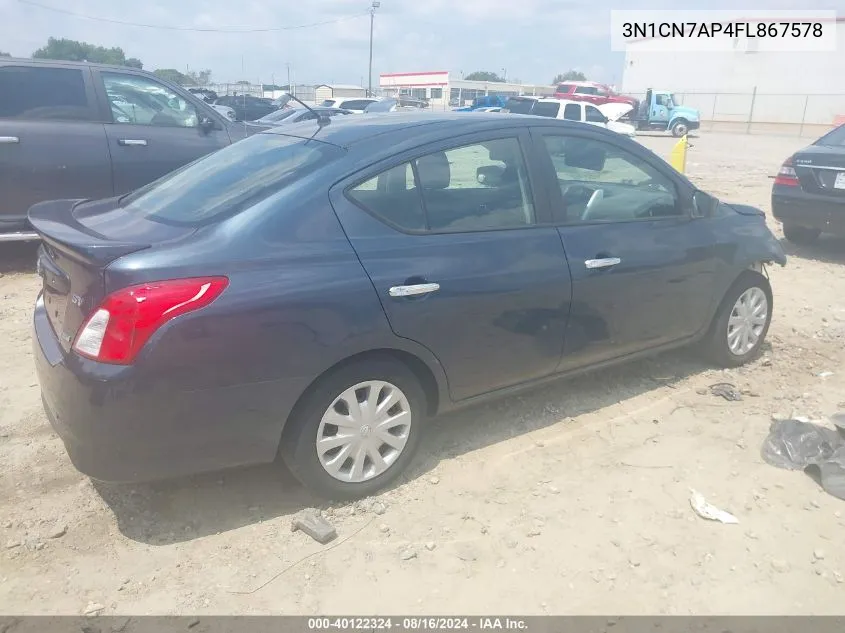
(63, 62)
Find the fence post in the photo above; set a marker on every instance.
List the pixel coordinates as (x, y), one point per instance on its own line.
(751, 110)
(803, 116)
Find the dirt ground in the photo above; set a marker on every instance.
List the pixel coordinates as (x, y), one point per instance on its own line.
(571, 499)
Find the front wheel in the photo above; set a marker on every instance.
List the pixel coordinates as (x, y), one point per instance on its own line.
(679, 128)
(742, 321)
(356, 430)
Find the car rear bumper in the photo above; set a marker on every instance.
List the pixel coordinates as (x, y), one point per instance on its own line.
(799, 208)
(119, 426)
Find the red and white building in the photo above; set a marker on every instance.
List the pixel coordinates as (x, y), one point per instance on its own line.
(444, 90)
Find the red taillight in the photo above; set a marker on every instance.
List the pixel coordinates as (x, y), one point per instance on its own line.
(127, 318)
(787, 176)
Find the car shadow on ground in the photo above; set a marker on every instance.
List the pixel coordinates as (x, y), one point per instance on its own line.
(185, 509)
(828, 249)
(18, 257)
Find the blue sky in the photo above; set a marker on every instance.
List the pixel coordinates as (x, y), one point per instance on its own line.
(532, 39)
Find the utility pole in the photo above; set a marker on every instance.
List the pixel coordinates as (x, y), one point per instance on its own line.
(376, 4)
(290, 90)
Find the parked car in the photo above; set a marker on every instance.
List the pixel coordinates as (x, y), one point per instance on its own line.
(247, 107)
(79, 130)
(484, 102)
(209, 96)
(591, 92)
(573, 111)
(808, 195)
(297, 115)
(661, 110)
(356, 105)
(319, 292)
(396, 104)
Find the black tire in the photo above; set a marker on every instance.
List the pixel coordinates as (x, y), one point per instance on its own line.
(680, 128)
(715, 345)
(800, 234)
(298, 449)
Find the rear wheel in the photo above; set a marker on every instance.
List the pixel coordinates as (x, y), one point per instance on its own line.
(679, 128)
(800, 234)
(742, 321)
(356, 430)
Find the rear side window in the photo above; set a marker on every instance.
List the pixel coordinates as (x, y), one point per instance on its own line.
(572, 112)
(230, 180)
(834, 138)
(32, 93)
(520, 106)
(567, 88)
(546, 109)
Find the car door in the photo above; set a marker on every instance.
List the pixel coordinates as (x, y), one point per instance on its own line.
(52, 143)
(643, 269)
(153, 129)
(660, 109)
(457, 242)
(593, 116)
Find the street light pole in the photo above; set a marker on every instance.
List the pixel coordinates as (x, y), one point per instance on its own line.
(376, 4)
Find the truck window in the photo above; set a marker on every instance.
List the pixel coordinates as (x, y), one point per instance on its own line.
(56, 94)
(594, 115)
(586, 90)
(546, 109)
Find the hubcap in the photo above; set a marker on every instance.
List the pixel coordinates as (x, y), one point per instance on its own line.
(747, 320)
(364, 431)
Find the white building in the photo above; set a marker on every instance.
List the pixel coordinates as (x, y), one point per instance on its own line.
(442, 89)
(744, 84)
(330, 91)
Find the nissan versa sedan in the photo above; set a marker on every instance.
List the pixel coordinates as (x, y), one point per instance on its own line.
(808, 195)
(319, 291)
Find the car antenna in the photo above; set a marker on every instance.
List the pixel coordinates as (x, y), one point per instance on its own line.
(322, 119)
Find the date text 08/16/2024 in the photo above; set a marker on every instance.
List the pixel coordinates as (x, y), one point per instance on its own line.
(429, 623)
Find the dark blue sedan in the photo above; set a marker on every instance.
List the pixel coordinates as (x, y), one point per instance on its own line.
(317, 292)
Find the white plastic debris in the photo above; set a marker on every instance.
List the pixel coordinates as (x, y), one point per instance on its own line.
(825, 374)
(708, 511)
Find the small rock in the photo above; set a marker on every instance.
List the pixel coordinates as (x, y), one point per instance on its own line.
(634, 562)
(93, 608)
(701, 392)
(434, 480)
(379, 508)
(7, 525)
(838, 577)
(781, 566)
(815, 504)
(39, 546)
(818, 554)
(465, 552)
(752, 535)
(12, 544)
(820, 572)
(511, 542)
(534, 532)
(407, 554)
(384, 528)
(58, 531)
(311, 522)
(554, 490)
(500, 563)
(430, 546)
(193, 623)
(740, 443)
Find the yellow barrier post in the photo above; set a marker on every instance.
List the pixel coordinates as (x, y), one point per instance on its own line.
(678, 156)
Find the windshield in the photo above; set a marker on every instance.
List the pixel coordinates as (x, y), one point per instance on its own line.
(278, 115)
(520, 106)
(834, 138)
(230, 180)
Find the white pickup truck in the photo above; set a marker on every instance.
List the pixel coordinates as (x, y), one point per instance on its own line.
(606, 115)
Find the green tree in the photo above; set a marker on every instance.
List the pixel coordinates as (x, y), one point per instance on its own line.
(570, 75)
(483, 75)
(5, 54)
(242, 82)
(174, 76)
(73, 50)
(201, 78)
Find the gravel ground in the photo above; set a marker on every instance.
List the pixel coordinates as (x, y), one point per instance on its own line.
(572, 498)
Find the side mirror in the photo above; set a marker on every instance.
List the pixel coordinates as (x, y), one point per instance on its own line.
(207, 124)
(703, 204)
(489, 175)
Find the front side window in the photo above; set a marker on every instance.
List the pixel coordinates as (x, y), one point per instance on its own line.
(141, 101)
(600, 182)
(474, 187)
(594, 115)
(56, 94)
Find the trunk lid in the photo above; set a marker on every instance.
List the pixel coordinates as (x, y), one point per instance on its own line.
(79, 240)
(821, 170)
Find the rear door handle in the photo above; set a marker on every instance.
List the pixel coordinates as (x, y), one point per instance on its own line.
(131, 142)
(414, 290)
(9, 140)
(605, 262)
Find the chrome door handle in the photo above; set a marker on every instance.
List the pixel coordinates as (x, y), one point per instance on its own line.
(9, 140)
(412, 291)
(605, 262)
(127, 142)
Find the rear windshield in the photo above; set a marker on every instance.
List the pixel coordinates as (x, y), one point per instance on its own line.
(520, 106)
(230, 180)
(834, 138)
